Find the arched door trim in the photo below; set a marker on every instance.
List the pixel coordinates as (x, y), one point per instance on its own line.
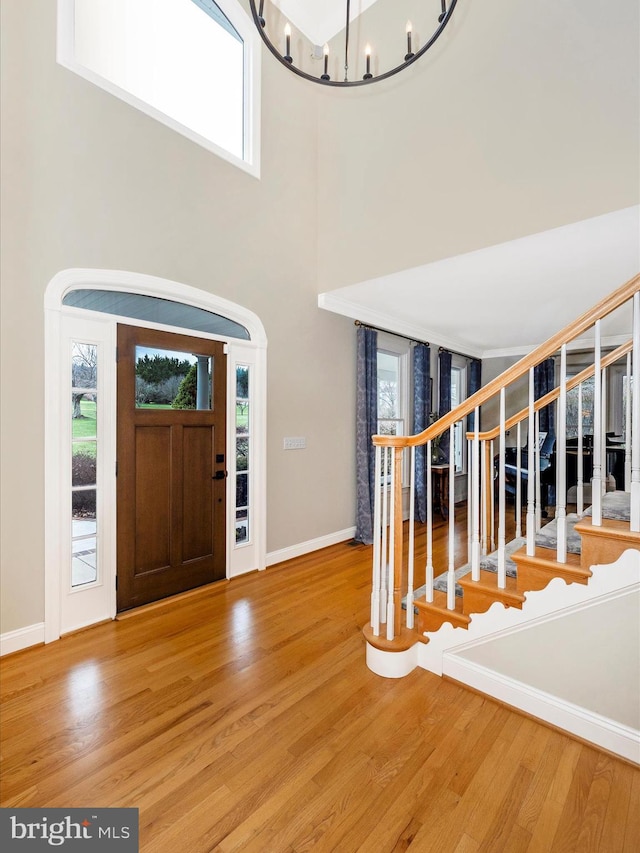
(252, 352)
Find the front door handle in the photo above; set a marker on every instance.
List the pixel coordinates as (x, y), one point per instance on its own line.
(220, 475)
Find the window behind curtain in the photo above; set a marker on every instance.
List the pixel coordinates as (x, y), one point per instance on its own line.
(587, 409)
(390, 404)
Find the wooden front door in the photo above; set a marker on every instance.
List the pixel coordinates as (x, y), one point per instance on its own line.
(171, 465)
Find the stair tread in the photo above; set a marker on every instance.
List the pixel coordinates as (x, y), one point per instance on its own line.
(542, 559)
(406, 639)
(610, 527)
(547, 536)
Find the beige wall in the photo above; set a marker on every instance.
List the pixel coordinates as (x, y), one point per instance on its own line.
(88, 181)
(517, 397)
(522, 117)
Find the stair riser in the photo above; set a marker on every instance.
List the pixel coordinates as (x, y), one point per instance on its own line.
(434, 621)
(600, 551)
(533, 578)
(480, 601)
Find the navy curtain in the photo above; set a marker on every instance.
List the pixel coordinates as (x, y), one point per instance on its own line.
(544, 380)
(444, 395)
(421, 412)
(474, 381)
(366, 426)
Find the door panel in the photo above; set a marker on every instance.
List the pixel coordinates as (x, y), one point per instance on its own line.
(171, 470)
(198, 504)
(153, 471)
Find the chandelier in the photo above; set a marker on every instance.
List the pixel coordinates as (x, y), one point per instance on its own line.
(334, 42)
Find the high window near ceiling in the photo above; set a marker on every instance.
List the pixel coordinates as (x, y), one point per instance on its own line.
(191, 64)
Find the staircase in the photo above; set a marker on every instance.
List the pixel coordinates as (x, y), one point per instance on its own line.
(576, 556)
(526, 573)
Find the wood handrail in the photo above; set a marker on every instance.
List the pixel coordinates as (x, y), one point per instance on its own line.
(542, 402)
(517, 370)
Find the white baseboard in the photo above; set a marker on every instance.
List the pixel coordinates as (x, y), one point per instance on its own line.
(602, 731)
(293, 551)
(15, 641)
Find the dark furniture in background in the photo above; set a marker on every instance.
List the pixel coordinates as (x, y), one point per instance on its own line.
(615, 455)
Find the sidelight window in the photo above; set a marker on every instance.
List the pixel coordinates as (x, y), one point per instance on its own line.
(243, 461)
(84, 463)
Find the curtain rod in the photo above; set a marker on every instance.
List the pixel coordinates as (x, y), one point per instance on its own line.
(388, 332)
(415, 340)
(461, 354)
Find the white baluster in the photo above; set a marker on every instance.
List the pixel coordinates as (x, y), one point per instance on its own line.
(518, 481)
(377, 534)
(483, 499)
(537, 477)
(451, 575)
(502, 576)
(469, 499)
(492, 532)
(635, 420)
(596, 481)
(392, 538)
(410, 567)
(561, 460)
(531, 513)
(429, 564)
(603, 432)
(627, 428)
(475, 489)
(384, 575)
(580, 459)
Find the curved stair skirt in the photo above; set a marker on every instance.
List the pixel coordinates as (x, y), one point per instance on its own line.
(555, 600)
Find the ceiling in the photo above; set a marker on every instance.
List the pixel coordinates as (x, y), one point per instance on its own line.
(504, 299)
(320, 21)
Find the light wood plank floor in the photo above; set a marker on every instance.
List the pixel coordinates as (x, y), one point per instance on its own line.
(244, 718)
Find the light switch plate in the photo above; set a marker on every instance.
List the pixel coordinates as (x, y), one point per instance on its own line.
(295, 443)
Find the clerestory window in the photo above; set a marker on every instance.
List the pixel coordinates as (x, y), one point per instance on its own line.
(191, 64)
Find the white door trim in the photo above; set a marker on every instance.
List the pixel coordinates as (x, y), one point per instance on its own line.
(246, 558)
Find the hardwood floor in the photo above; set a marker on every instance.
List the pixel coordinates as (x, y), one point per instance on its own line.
(244, 718)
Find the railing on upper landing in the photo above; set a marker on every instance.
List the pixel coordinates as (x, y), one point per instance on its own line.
(393, 573)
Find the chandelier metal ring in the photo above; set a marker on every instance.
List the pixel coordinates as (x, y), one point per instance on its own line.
(257, 10)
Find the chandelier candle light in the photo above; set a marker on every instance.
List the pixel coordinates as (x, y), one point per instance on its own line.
(325, 51)
(287, 38)
(269, 15)
(409, 55)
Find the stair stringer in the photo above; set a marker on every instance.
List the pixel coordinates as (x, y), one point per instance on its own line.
(551, 601)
